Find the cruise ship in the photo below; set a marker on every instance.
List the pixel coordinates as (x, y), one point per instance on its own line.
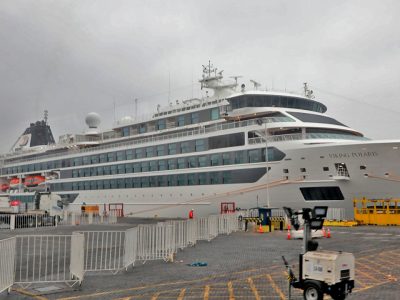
(238, 144)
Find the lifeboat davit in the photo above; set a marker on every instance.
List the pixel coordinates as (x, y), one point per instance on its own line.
(35, 183)
(14, 183)
(4, 187)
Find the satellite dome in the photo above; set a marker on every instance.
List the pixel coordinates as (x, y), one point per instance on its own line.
(93, 120)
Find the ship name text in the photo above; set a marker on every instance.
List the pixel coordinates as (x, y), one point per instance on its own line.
(353, 154)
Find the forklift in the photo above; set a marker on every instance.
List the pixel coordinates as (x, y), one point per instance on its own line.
(320, 272)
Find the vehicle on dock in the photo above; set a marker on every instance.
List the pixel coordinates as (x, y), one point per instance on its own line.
(42, 209)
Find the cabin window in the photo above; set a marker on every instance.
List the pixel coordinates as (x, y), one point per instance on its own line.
(195, 118)
(161, 124)
(191, 162)
(120, 156)
(106, 170)
(102, 158)
(80, 173)
(128, 168)
(125, 131)
(181, 179)
(87, 185)
(120, 184)
(227, 158)
(110, 157)
(214, 177)
(120, 169)
(171, 164)
(112, 183)
(74, 186)
(142, 128)
(160, 150)
(153, 166)
(215, 159)
(202, 161)
(99, 171)
(56, 164)
(171, 149)
(86, 172)
(99, 184)
(138, 153)
(271, 154)
(199, 145)
(76, 161)
(113, 169)
(129, 154)
(93, 159)
(161, 165)
(326, 168)
(152, 181)
(74, 173)
(85, 160)
(135, 182)
(181, 120)
(37, 167)
(161, 180)
(253, 156)
(181, 163)
(202, 179)
(149, 152)
(143, 182)
(143, 167)
(127, 183)
(171, 180)
(191, 179)
(215, 113)
(223, 141)
(239, 157)
(185, 147)
(227, 177)
(92, 171)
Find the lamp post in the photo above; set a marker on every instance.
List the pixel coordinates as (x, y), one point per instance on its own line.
(259, 122)
(266, 158)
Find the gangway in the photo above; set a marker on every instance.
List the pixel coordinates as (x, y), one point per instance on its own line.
(377, 212)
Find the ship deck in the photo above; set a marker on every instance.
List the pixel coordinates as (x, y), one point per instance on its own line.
(242, 265)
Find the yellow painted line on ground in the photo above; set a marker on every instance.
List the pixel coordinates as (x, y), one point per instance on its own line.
(275, 287)
(156, 296)
(230, 291)
(359, 282)
(390, 262)
(28, 293)
(253, 287)
(372, 269)
(206, 292)
(181, 294)
(169, 283)
(373, 262)
(365, 274)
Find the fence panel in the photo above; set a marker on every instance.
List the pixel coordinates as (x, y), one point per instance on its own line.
(213, 226)
(7, 254)
(103, 251)
(181, 233)
(77, 255)
(337, 214)
(43, 258)
(155, 242)
(131, 238)
(202, 229)
(17, 221)
(191, 232)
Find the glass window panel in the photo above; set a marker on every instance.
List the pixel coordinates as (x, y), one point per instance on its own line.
(120, 184)
(74, 173)
(129, 154)
(214, 177)
(181, 120)
(161, 180)
(191, 179)
(171, 164)
(171, 149)
(135, 182)
(99, 171)
(227, 158)
(185, 147)
(181, 179)
(76, 161)
(138, 153)
(161, 165)
(160, 150)
(112, 183)
(127, 182)
(99, 184)
(121, 169)
(113, 169)
(227, 177)
(143, 167)
(106, 170)
(93, 185)
(253, 156)
(85, 160)
(199, 145)
(120, 156)
(152, 181)
(239, 157)
(153, 166)
(93, 159)
(102, 158)
(215, 159)
(192, 162)
(215, 113)
(143, 182)
(202, 161)
(149, 152)
(110, 157)
(136, 167)
(86, 172)
(171, 180)
(195, 118)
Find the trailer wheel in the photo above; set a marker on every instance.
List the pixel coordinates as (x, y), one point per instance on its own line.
(313, 291)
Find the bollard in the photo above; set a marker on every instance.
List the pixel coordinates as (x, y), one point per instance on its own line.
(90, 218)
(12, 222)
(73, 219)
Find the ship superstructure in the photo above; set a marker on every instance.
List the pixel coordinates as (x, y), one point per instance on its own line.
(204, 151)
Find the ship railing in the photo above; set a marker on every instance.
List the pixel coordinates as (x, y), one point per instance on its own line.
(306, 136)
(200, 130)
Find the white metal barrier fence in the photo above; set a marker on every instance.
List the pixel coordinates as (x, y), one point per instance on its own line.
(213, 226)
(203, 230)
(74, 218)
(155, 242)
(7, 253)
(16, 221)
(131, 239)
(104, 251)
(191, 232)
(49, 258)
(181, 233)
(337, 214)
(228, 223)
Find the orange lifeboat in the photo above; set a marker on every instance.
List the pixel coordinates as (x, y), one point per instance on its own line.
(14, 183)
(4, 187)
(35, 183)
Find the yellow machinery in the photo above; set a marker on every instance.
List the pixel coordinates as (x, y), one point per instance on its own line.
(377, 212)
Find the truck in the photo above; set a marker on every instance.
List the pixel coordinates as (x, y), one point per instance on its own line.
(31, 209)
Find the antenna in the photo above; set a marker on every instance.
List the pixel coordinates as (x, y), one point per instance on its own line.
(114, 108)
(135, 109)
(46, 114)
(235, 77)
(256, 84)
(192, 81)
(169, 83)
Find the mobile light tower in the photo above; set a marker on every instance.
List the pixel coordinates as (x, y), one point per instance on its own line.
(320, 272)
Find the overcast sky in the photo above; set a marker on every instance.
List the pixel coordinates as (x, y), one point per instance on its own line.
(74, 57)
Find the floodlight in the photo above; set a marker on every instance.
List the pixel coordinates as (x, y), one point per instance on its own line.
(307, 214)
(288, 211)
(320, 211)
(316, 223)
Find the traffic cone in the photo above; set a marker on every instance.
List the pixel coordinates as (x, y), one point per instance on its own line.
(288, 234)
(288, 226)
(77, 222)
(302, 228)
(323, 231)
(328, 235)
(260, 228)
